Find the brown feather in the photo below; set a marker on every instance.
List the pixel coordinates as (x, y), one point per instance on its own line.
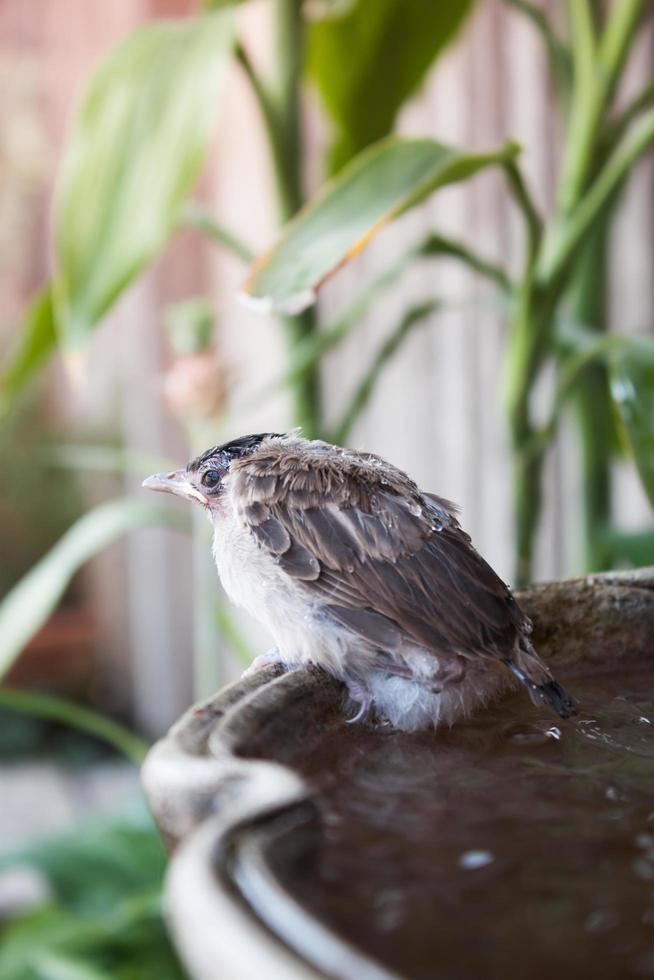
(382, 558)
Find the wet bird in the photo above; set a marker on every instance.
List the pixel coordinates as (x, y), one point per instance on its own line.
(352, 567)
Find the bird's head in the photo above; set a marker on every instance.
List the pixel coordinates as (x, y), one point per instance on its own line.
(202, 479)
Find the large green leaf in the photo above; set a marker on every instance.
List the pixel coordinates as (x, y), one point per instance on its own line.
(135, 152)
(104, 918)
(37, 339)
(367, 58)
(632, 387)
(25, 609)
(383, 182)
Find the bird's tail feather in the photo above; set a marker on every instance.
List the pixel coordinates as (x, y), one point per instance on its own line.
(542, 687)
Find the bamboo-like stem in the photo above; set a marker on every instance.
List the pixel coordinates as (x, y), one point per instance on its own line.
(411, 319)
(279, 105)
(592, 404)
(287, 160)
(589, 186)
(533, 221)
(314, 347)
(528, 327)
(621, 28)
(590, 204)
(570, 370)
(558, 52)
(619, 126)
(597, 67)
(585, 102)
(529, 332)
(195, 216)
(289, 58)
(76, 716)
(435, 245)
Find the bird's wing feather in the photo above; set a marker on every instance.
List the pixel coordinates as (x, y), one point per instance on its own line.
(393, 566)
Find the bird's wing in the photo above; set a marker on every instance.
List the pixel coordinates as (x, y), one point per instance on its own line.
(393, 567)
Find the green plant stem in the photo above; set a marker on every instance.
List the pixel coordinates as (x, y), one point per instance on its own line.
(522, 197)
(621, 27)
(585, 103)
(569, 236)
(588, 188)
(271, 116)
(84, 719)
(437, 245)
(636, 547)
(527, 502)
(529, 333)
(413, 318)
(288, 60)
(597, 68)
(593, 403)
(559, 54)
(233, 635)
(206, 639)
(287, 160)
(616, 130)
(570, 370)
(528, 330)
(279, 104)
(195, 216)
(315, 346)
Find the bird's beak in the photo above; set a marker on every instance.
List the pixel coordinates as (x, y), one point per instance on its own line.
(176, 482)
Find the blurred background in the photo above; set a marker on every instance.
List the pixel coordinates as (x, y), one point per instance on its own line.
(178, 363)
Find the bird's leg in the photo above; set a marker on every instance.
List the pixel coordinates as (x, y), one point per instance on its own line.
(361, 695)
(271, 658)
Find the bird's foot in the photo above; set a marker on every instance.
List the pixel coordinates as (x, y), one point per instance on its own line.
(362, 696)
(271, 658)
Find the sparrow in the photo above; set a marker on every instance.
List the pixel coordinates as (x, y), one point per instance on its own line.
(350, 566)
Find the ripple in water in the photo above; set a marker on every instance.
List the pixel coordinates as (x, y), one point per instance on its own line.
(506, 848)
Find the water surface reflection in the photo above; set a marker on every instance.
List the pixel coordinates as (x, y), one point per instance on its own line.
(513, 846)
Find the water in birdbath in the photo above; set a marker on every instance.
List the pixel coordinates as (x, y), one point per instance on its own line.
(515, 845)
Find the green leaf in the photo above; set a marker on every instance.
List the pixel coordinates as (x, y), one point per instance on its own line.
(635, 546)
(27, 606)
(108, 859)
(369, 57)
(632, 388)
(38, 338)
(382, 183)
(138, 144)
(105, 915)
(54, 966)
(52, 708)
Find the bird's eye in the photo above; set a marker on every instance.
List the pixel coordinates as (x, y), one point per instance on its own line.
(210, 479)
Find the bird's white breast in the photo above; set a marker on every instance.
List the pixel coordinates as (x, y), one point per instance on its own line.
(254, 581)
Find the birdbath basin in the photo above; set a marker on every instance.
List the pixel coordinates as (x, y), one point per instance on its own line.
(513, 845)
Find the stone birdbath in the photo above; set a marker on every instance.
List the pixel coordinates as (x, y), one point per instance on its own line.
(514, 845)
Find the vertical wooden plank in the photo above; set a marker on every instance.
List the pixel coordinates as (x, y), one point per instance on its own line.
(240, 191)
(631, 263)
(532, 120)
(488, 219)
